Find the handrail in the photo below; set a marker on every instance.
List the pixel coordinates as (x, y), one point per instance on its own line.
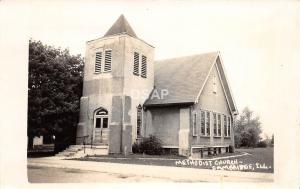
(84, 138)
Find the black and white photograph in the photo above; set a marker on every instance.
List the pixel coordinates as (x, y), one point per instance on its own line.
(150, 91)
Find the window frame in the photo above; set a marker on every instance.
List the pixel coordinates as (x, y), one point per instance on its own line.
(195, 133)
(215, 124)
(225, 125)
(104, 63)
(229, 126)
(100, 64)
(101, 114)
(143, 65)
(202, 122)
(207, 123)
(134, 63)
(219, 125)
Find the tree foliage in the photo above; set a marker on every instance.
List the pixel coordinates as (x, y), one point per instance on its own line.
(272, 140)
(247, 129)
(54, 91)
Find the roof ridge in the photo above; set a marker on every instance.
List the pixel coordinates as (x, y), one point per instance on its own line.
(188, 56)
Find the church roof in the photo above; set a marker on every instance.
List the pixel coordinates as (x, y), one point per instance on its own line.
(184, 79)
(121, 26)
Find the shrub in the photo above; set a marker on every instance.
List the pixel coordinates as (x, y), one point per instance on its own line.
(261, 144)
(150, 145)
(136, 148)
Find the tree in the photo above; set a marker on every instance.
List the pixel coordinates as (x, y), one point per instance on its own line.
(247, 129)
(272, 140)
(54, 91)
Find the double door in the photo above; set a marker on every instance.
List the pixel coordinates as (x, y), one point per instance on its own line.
(101, 130)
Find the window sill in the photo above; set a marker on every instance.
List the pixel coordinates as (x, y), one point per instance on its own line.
(106, 72)
(205, 136)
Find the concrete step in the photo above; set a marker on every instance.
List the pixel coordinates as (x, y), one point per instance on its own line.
(78, 150)
(62, 154)
(99, 146)
(75, 146)
(73, 149)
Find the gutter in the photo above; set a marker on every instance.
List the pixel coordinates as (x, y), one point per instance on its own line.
(168, 104)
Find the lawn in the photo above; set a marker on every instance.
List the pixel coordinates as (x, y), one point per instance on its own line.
(261, 156)
(257, 160)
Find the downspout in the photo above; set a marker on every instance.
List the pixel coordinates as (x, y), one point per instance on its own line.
(232, 127)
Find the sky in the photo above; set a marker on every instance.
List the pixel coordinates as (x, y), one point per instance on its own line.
(258, 41)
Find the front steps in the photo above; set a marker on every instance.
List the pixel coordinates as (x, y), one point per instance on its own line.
(77, 151)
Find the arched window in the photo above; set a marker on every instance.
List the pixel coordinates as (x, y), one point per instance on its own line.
(139, 121)
(101, 118)
(101, 111)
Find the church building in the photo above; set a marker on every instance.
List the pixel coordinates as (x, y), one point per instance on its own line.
(186, 101)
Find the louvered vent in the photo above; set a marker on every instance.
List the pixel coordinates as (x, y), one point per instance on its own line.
(98, 62)
(107, 64)
(136, 63)
(144, 66)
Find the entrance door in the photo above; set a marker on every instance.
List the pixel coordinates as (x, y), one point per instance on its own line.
(101, 130)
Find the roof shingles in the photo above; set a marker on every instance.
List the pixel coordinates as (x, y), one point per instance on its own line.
(182, 77)
(121, 26)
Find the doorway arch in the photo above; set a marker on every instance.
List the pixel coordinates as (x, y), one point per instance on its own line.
(101, 126)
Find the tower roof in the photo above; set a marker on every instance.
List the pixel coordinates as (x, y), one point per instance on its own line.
(121, 26)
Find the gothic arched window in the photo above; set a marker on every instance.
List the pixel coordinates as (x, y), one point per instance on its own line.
(101, 118)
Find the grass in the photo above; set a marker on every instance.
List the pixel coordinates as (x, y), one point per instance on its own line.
(261, 156)
(137, 156)
(260, 159)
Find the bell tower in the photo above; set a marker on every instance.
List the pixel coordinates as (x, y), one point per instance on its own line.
(118, 78)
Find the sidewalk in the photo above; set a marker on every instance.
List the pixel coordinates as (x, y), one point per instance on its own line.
(164, 172)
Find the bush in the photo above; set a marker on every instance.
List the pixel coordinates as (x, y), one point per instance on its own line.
(150, 145)
(231, 149)
(261, 144)
(136, 148)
